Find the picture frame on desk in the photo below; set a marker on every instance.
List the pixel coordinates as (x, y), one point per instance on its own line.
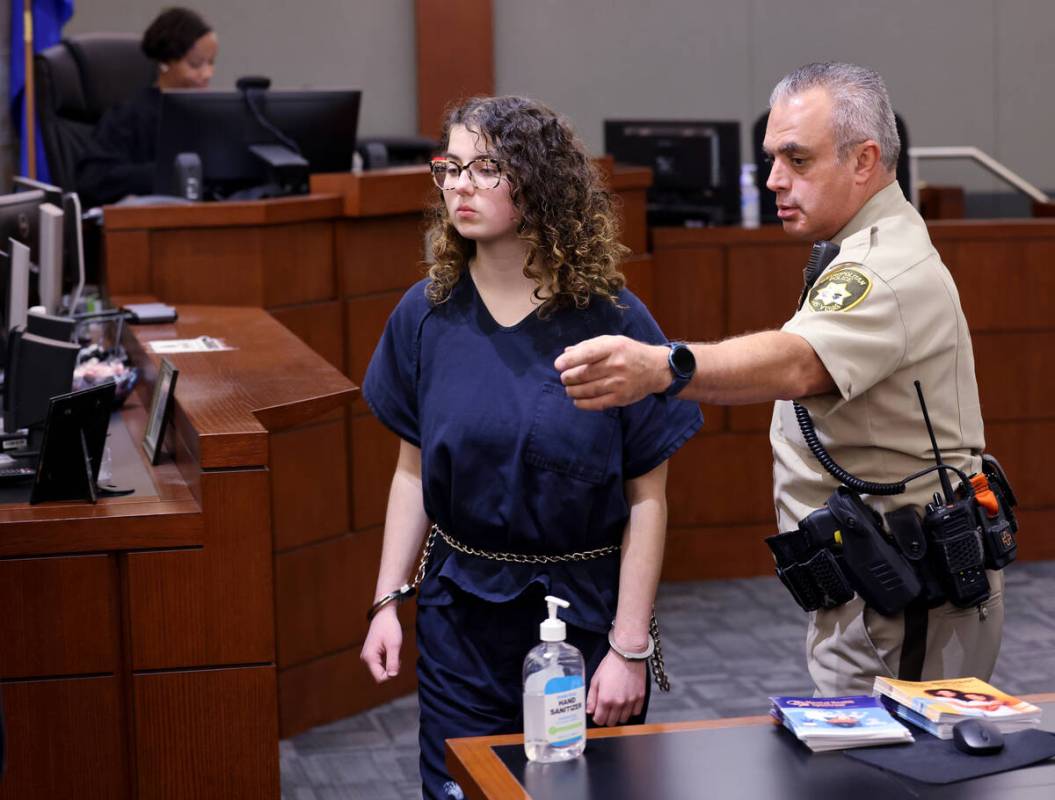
(71, 451)
(160, 410)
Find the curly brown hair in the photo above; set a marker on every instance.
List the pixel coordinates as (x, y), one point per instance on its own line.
(566, 213)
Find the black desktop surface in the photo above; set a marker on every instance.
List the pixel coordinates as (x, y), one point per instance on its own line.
(756, 761)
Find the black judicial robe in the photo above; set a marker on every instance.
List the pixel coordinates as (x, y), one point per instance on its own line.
(119, 160)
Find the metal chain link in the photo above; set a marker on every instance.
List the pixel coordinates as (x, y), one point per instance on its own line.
(419, 576)
(525, 558)
(659, 673)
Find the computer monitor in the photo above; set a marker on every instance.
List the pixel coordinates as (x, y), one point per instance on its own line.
(14, 291)
(695, 167)
(37, 370)
(73, 271)
(49, 280)
(20, 220)
(16, 262)
(52, 194)
(221, 127)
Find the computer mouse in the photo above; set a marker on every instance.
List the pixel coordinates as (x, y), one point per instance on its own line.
(977, 737)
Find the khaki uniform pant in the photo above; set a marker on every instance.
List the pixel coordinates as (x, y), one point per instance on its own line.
(846, 647)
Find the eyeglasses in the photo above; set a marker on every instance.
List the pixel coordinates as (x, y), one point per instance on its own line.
(484, 172)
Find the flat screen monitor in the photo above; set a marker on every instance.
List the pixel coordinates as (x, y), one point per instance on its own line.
(695, 167)
(14, 292)
(37, 369)
(220, 128)
(49, 281)
(73, 277)
(14, 283)
(52, 194)
(20, 220)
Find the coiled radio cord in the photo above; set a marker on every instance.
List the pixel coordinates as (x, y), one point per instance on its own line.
(813, 442)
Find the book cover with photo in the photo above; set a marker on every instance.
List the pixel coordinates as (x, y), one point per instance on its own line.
(832, 723)
(953, 699)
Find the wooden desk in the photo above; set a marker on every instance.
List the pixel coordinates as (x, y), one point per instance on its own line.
(757, 762)
(139, 635)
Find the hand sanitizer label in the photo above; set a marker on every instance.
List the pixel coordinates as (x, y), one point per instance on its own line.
(565, 704)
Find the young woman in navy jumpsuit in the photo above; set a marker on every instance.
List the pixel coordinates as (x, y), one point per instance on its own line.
(525, 262)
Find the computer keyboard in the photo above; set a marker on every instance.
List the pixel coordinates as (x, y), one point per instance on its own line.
(13, 469)
(15, 473)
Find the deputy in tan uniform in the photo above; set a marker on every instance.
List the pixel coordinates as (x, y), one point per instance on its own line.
(885, 313)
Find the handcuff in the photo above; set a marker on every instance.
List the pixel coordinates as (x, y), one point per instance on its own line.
(403, 593)
(644, 655)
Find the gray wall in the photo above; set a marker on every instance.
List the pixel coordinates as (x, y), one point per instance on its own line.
(975, 72)
(365, 44)
(960, 72)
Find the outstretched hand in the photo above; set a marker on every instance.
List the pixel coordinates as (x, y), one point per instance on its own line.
(611, 371)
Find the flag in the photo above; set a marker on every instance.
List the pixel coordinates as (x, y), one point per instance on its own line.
(48, 18)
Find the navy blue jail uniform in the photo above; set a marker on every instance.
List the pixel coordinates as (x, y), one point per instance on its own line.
(509, 464)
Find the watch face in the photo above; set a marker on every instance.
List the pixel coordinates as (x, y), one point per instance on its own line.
(682, 361)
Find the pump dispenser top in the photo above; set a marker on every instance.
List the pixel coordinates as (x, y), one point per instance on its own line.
(553, 629)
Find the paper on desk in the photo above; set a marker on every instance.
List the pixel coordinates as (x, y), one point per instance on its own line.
(203, 344)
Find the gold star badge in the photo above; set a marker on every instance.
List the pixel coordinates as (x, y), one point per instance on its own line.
(840, 290)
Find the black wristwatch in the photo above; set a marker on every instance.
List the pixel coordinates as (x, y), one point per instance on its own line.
(682, 367)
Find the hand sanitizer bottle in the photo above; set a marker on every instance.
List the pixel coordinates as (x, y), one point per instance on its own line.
(554, 694)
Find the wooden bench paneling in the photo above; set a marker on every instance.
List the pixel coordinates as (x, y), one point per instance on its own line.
(174, 596)
(309, 484)
(72, 628)
(65, 740)
(207, 733)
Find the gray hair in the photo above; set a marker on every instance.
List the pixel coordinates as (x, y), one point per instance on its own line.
(861, 107)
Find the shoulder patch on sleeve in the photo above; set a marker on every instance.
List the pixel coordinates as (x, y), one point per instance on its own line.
(840, 289)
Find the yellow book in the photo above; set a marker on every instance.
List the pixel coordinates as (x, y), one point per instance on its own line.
(953, 699)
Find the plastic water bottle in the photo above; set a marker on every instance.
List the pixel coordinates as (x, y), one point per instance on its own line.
(554, 694)
(749, 208)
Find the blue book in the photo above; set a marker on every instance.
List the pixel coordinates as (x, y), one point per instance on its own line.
(835, 723)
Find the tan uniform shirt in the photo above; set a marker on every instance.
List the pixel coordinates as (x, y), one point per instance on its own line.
(885, 313)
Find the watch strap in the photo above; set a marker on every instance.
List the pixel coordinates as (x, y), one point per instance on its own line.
(679, 378)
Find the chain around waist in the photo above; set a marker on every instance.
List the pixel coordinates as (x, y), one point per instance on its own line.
(524, 558)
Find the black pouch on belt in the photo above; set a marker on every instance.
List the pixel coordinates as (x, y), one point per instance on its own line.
(809, 570)
(877, 570)
(906, 527)
(999, 527)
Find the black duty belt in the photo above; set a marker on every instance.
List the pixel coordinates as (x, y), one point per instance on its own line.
(845, 548)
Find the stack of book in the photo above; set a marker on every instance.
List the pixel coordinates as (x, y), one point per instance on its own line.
(836, 723)
(935, 706)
